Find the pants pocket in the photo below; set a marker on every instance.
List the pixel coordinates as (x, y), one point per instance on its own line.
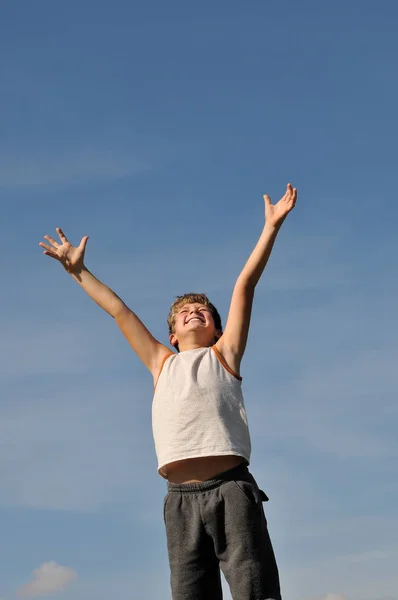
(251, 492)
(164, 506)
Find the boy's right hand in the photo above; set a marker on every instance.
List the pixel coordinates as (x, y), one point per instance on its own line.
(70, 257)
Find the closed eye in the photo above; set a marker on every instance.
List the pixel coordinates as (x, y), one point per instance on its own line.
(202, 309)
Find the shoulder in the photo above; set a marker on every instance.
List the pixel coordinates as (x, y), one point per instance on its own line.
(163, 354)
(229, 360)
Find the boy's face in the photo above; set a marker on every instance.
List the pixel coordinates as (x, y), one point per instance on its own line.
(194, 324)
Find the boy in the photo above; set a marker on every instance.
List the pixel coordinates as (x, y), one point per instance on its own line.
(213, 509)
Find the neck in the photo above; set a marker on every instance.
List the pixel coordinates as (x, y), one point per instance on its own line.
(194, 346)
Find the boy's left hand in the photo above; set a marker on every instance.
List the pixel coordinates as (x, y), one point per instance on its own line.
(275, 214)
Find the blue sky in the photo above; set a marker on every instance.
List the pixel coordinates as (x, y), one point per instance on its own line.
(155, 128)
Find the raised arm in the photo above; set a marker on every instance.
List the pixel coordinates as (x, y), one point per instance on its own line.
(149, 350)
(232, 343)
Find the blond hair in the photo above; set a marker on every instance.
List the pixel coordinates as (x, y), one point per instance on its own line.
(191, 298)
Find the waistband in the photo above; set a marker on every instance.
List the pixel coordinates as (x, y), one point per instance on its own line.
(241, 471)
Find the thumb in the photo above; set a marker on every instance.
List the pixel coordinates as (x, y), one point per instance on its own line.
(82, 245)
(267, 200)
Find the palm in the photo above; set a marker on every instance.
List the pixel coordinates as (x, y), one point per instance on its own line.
(69, 256)
(276, 213)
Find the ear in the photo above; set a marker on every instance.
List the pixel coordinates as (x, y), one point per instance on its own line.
(172, 339)
(218, 334)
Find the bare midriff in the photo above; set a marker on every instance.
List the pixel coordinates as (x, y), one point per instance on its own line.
(196, 470)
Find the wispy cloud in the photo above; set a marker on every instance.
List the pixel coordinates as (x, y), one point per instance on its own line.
(79, 165)
(75, 448)
(311, 377)
(49, 578)
(362, 575)
(332, 597)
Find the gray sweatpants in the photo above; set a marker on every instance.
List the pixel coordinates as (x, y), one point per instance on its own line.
(220, 523)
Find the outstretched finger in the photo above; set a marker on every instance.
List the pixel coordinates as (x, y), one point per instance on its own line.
(291, 193)
(52, 241)
(51, 254)
(83, 243)
(47, 247)
(62, 236)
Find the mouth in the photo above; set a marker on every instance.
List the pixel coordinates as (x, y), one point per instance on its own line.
(194, 319)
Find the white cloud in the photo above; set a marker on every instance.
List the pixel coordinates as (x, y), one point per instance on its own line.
(47, 579)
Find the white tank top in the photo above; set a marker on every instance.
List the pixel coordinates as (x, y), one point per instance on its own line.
(198, 409)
